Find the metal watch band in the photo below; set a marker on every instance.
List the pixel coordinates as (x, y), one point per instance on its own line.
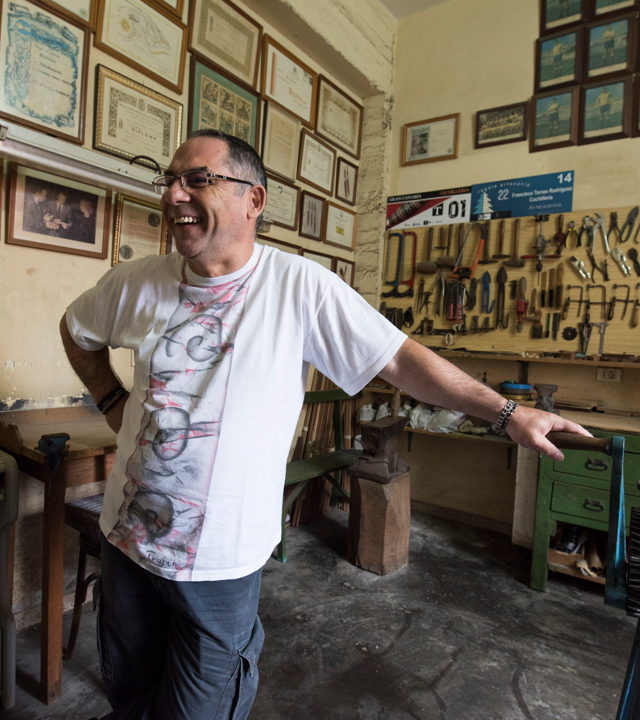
(506, 413)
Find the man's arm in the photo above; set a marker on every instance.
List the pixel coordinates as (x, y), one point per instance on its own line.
(427, 377)
(94, 369)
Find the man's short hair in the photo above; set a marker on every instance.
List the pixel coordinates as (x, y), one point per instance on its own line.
(243, 161)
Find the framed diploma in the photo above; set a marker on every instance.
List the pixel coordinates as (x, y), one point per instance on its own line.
(146, 38)
(345, 270)
(317, 162)
(325, 260)
(43, 62)
(340, 228)
(431, 140)
(284, 246)
(132, 120)
(283, 200)
(139, 230)
(288, 82)
(227, 36)
(312, 212)
(346, 181)
(280, 142)
(55, 213)
(82, 10)
(220, 103)
(338, 118)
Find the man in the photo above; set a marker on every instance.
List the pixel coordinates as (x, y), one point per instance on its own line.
(554, 117)
(60, 213)
(603, 103)
(223, 332)
(84, 222)
(35, 209)
(557, 52)
(608, 41)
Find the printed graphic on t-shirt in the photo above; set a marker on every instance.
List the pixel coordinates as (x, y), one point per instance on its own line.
(169, 473)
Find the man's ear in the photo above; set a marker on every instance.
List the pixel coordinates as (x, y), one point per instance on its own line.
(257, 200)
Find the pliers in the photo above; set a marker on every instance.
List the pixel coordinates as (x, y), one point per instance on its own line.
(486, 294)
(630, 222)
(614, 226)
(586, 225)
(599, 223)
(571, 231)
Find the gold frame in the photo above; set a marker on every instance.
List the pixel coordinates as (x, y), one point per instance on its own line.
(352, 247)
(117, 230)
(431, 121)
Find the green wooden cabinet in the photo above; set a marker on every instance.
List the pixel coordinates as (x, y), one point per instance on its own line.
(576, 491)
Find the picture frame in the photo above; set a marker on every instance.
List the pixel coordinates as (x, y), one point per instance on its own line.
(635, 115)
(131, 119)
(340, 226)
(220, 102)
(139, 230)
(312, 216)
(83, 11)
(501, 125)
(558, 15)
(554, 119)
(346, 181)
(50, 102)
(159, 51)
(288, 82)
(321, 258)
(610, 48)
(338, 118)
(559, 60)
(225, 35)
(51, 212)
(280, 142)
(174, 7)
(316, 163)
(280, 244)
(432, 140)
(283, 202)
(604, 8)
(345, 270)
(605, 110)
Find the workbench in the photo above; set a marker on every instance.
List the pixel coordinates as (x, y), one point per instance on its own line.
(90, 456)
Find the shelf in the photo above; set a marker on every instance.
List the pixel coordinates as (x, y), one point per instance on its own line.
(526, 358)
(460, 436)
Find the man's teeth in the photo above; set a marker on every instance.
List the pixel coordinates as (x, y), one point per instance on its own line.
(186, 219)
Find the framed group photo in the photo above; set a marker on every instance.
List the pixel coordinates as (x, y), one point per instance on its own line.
(280, 142)
(139, 230)
(559, 60)
(610, 48)
(554, 120)
(312, 216)
(51, 212)
(283, 202)
(432, 140)
(605, 110)
(316, 163)
(557, 15)
(501, 125)
(338, 118)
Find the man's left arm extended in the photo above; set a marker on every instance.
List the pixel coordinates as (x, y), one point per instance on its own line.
(425, 376)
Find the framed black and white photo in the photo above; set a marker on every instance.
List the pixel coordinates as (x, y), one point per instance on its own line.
(346, 181)
(559, 60)
(558, 15)
(603, 8)
(51, 212)
(610, 48)
(325, 260)
(554, 120)
(283, 200)
(338, 118)
(279, 244)
(316, 163)
(501, 125)
(345, 270)
(312, 212)
(280, 142)
(139, 230)
(340, 226)
(605, 110)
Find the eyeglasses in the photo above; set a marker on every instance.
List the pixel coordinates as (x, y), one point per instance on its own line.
(191, 180)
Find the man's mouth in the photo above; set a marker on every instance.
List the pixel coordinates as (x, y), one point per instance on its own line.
(186, 220)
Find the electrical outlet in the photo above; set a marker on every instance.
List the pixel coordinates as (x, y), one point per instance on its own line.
(609, 374)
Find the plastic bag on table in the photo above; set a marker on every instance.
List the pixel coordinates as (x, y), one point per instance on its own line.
(405, 410)
(366, 413)
(419, 417)
(383, 411)
(445, 421)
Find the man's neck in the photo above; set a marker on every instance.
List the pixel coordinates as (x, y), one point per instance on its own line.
(219, 267)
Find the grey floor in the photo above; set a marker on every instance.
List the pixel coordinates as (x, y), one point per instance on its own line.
(457, 635)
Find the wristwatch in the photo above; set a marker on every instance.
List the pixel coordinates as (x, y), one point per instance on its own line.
(506, 413)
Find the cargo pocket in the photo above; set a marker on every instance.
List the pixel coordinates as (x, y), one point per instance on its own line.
(104, 647)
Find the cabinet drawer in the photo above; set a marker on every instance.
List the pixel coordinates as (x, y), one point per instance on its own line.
(597, 466)
(586, 502)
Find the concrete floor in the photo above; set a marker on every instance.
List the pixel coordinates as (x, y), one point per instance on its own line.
(457, 635)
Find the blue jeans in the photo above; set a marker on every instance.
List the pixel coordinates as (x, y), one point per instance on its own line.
(178, 650)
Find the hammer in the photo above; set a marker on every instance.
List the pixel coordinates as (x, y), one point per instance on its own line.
(515, 260)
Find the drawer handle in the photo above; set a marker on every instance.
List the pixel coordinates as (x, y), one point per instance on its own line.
(597, 464)
(595, 505)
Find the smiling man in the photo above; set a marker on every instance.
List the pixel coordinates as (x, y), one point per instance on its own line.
(223, 332)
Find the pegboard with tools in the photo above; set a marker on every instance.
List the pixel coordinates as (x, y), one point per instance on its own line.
(566, 284)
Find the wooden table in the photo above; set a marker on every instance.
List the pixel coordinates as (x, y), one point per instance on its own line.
(90, 456)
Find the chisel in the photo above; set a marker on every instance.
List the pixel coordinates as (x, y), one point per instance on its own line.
(559, 286)
(500, 255)
(428, 267)
(552, 288)
(543, 288)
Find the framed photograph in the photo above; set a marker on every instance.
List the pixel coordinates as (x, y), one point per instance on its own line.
(316, 163)
(83, 10)
(325, 260)
(50, 96)
(601, 8)
(559, 60)
(554, 120)
(146, 38)
(281, 245)
(346, 181)
(280, 142)
(312, 214)
(559, 14)
(288, 82)
(501, 125)
(610, 48)
(605, 110)
(139, 230)
(283, 201)
(340, 226)
(131, 119)
(54, 213)
(220, 103)
(174, 7)
(338, 118)
(345, 270)
(432, 140)
(226, 36)
(635, 115)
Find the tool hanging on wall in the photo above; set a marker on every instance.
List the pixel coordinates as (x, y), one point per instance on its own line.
(486, 260)
(586, 227)
(626, 300)
(602, 326)
(540, 247)
(552, 286)
(603, 303)
(447, 261)
(584, 330)
(454, 295)
(513, 288)
(486, 306)
(636, 308)
(534, 299)
(515, 260)
(572, 231)
(555, 326)
(543, 289)
(633, 256)
(521, 307)
(600, 225)
(569, 300)
(560, 238)
(613, 227)
(536, 328)
(466, 273)
(501, 279)
(473, 289)
(461, 239)
(559, 286)
(592, 257)
(428, 267)
(398, 279)
(500, 255)
(581, 269)
(569, 333)
(619, 257)
(546, 331)
(629, 223)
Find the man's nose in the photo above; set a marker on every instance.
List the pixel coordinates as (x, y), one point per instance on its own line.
(175, 193)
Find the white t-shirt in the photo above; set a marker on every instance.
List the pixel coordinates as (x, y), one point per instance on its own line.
(195, 492)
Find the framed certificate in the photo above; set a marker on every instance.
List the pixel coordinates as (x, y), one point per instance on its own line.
(280, 142)
(610, 48)
(317, 162)
(132, 120)
(284, 246)
(175, 7)
(433, 140)
(49, 95)
(83, 10)
(51, 212)
(283, 200)
(345, 270)
(139, 230)
(338, 118)
(605, 110)
(288, 82)
(346, 181)
(312, 211)
(559, 60)
(554, 120)
(221, 103)
(227, 36)
(146, 38)
(340, 228)
(325, 260)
